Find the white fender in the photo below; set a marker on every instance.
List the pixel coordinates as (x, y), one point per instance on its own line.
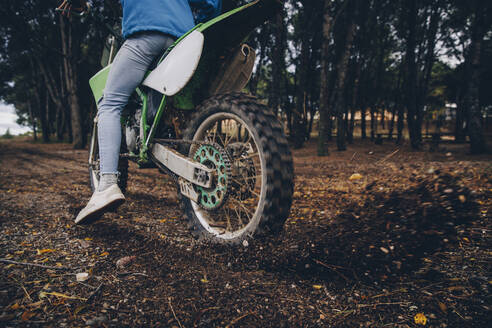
(174, 72)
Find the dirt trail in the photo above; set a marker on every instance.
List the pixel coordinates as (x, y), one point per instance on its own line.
(411, 236)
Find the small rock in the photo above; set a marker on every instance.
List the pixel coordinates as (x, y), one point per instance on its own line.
(124, 261)
(449, 154)
(84, 243)
(462, 198)
(431, 170)
(448, 191)
(245, 243)
(96, 321)
(384, 250)
(82, 276)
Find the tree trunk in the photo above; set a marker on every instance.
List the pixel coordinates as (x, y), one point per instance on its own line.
(411, 84)
(70, 66)
(339, 92)
(460, 129)
(363, 122)
(373, 124)
(255, 78)
(278, 63)
(475, 131)
(324, 110)
(400, 124)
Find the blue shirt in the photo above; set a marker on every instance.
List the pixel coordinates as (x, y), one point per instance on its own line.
(173, 17)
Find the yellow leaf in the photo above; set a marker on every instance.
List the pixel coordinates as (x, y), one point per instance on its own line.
(162, 221)
(58, 264)
(36, 304)
(14, 307)
(9, 266)
(44, 260)
(87, 238)
(162, 236)
(104, 254)
(317, 286)
(466, 239)
(204, 280)
(19, 252)
(420, 319)
(355, 176)
(46, 250)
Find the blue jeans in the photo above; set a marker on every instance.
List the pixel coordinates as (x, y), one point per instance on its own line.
(126, 73)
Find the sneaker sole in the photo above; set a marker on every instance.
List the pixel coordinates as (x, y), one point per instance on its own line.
(96, 215)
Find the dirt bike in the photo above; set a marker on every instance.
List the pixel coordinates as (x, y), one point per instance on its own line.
(226, 150)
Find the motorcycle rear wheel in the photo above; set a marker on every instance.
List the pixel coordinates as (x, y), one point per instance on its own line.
(259, 173)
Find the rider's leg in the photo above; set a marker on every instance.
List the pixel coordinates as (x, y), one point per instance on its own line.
(127, 71)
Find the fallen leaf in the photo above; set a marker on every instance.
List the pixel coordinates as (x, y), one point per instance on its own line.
(44, 294)
(204, 280)
(36, 304)
(355, 176)
(317, 286)
(46, 250)
(443, 307)
(27, 315)
(14, 306)
(104, 254)
(420, 319)
(384, 250)
(462, 198)
(87, 238)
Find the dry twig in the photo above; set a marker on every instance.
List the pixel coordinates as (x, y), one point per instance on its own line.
(174, 314)
(34, 265)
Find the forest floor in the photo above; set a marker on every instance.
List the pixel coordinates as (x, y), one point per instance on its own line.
(406, 244)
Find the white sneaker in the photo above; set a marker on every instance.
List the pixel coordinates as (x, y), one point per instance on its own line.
(100, 202)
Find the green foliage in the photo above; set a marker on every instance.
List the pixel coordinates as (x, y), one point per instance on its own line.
(7, 135)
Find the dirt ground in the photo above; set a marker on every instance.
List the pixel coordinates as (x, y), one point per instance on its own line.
(408, 243)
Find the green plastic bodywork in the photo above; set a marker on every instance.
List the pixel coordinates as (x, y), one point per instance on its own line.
(98, 82)
(183, 100)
